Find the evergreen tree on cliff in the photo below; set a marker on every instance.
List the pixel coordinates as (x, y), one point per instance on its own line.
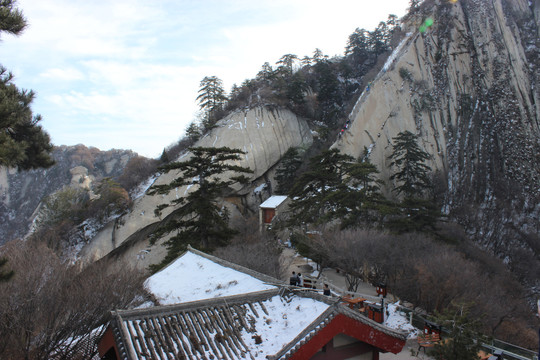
(23, 143)
(414, 182)
(357, 45)
(414, 5)
(365, 202)
(193, 131)
(197, 218)
(319, 191)
(409, 158)
(378, 38)
(286, 64)
(212, 99)
(286, 173)
(334, 187)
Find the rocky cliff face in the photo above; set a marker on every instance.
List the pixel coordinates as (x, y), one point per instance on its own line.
(264, 133)
(469, 85)
(77, 166)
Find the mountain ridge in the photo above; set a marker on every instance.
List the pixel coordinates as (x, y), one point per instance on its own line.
(473, 97)
(467, 84)
(461, 85)
(78, 166)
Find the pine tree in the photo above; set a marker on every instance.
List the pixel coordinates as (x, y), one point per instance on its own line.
(286, 64)
(193, 131)
(326, 191)
(306, 61)
(409, 158)
(12, 19)
(378, 38)
(392, 22)
(266, 73)
(212, 99)
(357, 45)
(296, 87)
(415, 212)
(414, 5)
(23, 143)
(329, 92)
(319, 56)
(286, 173)
(5, 276)
(364, 203)
(197, 218)
(164, 158)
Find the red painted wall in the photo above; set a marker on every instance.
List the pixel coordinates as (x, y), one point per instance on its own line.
(343, 352)
(269, 215)
(106, 343)
(353, 328)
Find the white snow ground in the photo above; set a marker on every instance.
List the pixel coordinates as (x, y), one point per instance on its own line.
(398, 321)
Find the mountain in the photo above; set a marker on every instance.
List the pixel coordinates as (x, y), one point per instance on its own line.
(265, 133)
(463, 75)
(469, 85)
(76, 166)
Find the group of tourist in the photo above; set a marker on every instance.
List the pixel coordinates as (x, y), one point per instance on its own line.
(298, 280)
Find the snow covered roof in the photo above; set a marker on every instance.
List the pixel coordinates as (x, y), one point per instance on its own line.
(273, 201)
(270, 324)
(197, 276)
(215, 309)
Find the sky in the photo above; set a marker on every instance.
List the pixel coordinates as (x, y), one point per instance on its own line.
(125, 74)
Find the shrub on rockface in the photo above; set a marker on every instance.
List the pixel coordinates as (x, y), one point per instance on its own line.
(110, 199)
(136, 171)
(60, 221)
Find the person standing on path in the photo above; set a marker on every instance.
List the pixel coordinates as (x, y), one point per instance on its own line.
(294, 279)
(326, 290)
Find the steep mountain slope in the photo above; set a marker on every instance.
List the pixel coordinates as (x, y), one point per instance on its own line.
(21, 192)
(469, 85)
(264, 133)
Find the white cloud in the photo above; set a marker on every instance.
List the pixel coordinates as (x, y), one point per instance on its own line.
(125, 73)
(66, 74)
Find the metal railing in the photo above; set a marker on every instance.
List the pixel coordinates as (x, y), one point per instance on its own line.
(509, 351)
(336, 289)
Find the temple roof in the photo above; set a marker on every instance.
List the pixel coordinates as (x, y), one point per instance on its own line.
(214, 309)
(197, 276)
(272, 323)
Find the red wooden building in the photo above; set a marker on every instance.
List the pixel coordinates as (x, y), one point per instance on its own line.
(269, 209)
(225, 311)
(273, 324)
